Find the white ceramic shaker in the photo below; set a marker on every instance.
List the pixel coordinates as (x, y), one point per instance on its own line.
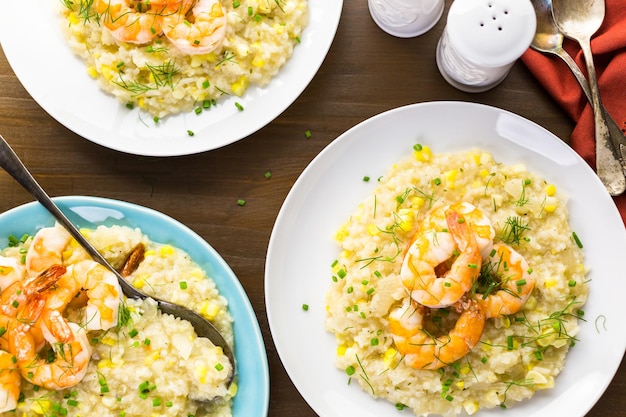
(406, 18)
(482, 40)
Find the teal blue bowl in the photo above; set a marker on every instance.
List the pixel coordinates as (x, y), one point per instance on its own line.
(252, 399)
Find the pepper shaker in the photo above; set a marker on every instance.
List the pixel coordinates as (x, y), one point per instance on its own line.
(406, 18)
(482, 40)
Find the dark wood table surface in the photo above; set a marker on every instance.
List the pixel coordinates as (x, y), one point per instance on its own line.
(365, 72)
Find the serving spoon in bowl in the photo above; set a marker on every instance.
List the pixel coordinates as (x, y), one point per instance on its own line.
(11, 163)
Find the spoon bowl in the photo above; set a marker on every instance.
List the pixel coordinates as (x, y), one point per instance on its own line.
(11, 163)
(579, 20)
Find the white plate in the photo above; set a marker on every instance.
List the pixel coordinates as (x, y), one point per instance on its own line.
(58, 81)
(302, 247)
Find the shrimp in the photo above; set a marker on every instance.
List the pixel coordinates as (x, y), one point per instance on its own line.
(481, 225)
(204, 32)
(430, 252)
(102, 290)
(71, 357)
(137, 22)
(10, 380)
(516, 282)
(46, 249)
(11, 270)
(421, 349)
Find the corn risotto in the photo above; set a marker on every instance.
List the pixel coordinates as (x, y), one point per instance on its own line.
(157, 77)
(517, 354)
(149, 363)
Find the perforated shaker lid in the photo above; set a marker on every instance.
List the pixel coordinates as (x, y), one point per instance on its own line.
(491, 33)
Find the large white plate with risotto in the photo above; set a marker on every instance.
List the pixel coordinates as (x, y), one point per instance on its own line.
(61, 83)
(145, 355)
(336, 252)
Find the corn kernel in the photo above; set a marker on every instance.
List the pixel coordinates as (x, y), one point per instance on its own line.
(91, 70)
(109, 341)
(550, 208)
(341, 350)
(417, 202)
(105, 363)
(73, 18)
(166, 250)
(424, 154)
(484, 173)
(201, 373)
(372, 229)
(549, 283)
(232, 390)
(406, 219)
(460, 384)
(107, 72)
(239, 87)
(41, 407)
(209, 310)
(551, 190)
(390, 357)
(450, 177)
(470, 407)
(258, 61)
(278, 28)
(150, 253)
(139, 282)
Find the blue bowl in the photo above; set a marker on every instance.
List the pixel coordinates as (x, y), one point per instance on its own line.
(252, 399)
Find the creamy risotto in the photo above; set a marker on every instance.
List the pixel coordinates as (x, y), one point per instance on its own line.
(141, 362)
(172, 56)
(459, 285)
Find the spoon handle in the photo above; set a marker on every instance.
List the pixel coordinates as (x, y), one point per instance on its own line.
(12, 164)
(608, 166)
(616, 134)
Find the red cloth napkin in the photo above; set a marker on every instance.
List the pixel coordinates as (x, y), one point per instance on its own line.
(609, 50)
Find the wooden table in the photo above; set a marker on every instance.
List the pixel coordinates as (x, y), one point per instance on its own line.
(366, 72)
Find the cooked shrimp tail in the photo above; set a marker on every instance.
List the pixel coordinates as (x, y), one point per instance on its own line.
(516, 283)
(201, 33)
(421, 349)
(441, 266)
(10, 382)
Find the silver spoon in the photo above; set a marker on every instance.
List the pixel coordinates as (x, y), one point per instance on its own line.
(549, 40)
(579, 20)
(11, 163)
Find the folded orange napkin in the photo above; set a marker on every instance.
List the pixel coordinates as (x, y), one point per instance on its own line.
(609, 50)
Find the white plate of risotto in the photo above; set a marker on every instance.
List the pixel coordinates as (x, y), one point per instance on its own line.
(172, 77)
(447, 259)
(78, 347)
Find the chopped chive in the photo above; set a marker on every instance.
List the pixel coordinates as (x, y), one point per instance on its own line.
(239, 106)
(366, 178)
(307, 134)
(183, 285)
(146, 342)
(268, 175)
(241, 202)
(577, 240)
(305, 307)
(350, 370)
(417, 147)
(437, 181)
(198, 110)
(190, 133)
(236, 4)
(133, 333)
(219, 367)
(374, 341)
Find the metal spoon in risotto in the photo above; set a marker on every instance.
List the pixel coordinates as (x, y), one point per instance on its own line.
(204, 328)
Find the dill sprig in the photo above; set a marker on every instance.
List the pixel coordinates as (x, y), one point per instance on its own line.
(513, 230)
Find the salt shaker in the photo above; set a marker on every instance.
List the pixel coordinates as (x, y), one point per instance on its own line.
(406, 18)
(482, 40)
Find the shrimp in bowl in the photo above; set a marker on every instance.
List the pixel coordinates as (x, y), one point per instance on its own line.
(77, 343)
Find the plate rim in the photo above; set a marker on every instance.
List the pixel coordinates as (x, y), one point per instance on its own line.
(259, 399)
(300, 182)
